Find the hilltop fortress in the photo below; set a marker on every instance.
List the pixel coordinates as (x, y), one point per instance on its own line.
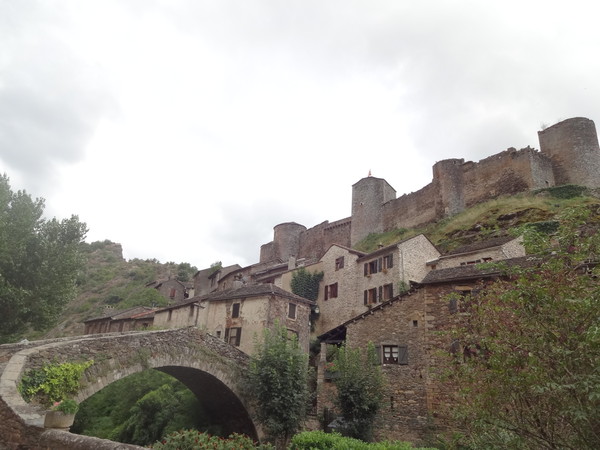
(569, 154)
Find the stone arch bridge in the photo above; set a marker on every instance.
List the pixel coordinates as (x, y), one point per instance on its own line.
(213, 370)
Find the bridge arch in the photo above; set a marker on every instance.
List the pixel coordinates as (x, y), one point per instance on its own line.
(213, 370)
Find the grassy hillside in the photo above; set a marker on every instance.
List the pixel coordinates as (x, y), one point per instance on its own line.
(491, 219)
(109, 281)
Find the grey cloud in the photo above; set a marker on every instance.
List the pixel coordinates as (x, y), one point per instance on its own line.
(50, 99)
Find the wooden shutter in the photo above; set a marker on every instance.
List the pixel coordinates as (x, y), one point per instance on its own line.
(378, 354)
(366, 297)
(403, 354)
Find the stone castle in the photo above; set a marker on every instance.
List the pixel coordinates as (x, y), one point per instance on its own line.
(569, 154)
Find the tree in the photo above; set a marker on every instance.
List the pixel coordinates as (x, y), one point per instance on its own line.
(531, 377)
(359, 389)
(39, 263)
(306, 284)
(278, 377)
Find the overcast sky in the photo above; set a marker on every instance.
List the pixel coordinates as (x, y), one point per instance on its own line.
(186, 130)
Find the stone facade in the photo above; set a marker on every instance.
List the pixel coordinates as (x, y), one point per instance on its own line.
(239, 316)
(569, 154)
(138, 318)
(495, 250)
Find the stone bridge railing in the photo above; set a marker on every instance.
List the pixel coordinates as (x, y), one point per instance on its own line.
(210, 368)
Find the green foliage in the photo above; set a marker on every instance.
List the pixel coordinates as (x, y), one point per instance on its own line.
(194, 440)
(536, 381)
(306, 284)
(39, 262)
(359, 389)
(67, 406)
(319, 440)
(278, 379)
(566, 191)
(149, 399)
(53, 382)
(217, 265)
(144, 296)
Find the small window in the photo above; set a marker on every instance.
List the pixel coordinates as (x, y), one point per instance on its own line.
(370, 296)
(388, 291)
(233, 336)
(339, 263)
(394, 354)
(388, 261)
(292, 310)
(172, 293)
(235, 310)
(192, 310)
(331, 291)
(219, 334)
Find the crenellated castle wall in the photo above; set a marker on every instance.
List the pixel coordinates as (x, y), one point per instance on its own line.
(569, 154)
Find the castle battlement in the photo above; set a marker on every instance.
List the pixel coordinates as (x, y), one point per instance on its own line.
(569, 154)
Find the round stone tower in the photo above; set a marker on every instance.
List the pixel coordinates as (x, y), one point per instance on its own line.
(286, 240)
(368, 197)
(448, 176)
(572, 145)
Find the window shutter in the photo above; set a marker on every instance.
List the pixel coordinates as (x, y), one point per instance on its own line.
(227, 335)
(403, 355)
(380, 294)
(238, 337)
(391, 260)
(379, 264)
(366, 269)
(366, 298)
(378, 354)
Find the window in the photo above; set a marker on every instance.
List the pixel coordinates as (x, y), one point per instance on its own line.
(170, 314)
(371, 267)
(192, 310)
(235, 310)
(219, 334)
(339, 263)
(331, 291)
(233, 336)
(394, 354)
(388, 261)
(292, 310)
(388, 291)
(370, 296)
(173, 292)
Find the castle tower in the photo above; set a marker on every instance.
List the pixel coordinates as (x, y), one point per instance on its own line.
(448, 176)
(572, 145)
(368, 197)
(286, 240)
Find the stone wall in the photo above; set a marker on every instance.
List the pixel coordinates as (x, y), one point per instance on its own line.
(212, 369)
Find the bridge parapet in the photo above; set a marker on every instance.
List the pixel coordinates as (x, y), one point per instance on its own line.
(209, 367)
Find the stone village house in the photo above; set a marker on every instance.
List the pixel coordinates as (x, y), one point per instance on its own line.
(239, 315)
(406, 333)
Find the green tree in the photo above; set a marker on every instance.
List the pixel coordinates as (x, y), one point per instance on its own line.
(39, 263)
(306, 284)
(278, 378)
(531, 378)
(359, 389)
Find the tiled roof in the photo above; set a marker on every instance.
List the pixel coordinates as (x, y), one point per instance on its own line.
(481, 245)
(132, 313)
(249, 290)
(473, 271)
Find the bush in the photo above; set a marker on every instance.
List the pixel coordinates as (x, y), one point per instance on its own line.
(319, 440)
(53, 382)
(193, 439)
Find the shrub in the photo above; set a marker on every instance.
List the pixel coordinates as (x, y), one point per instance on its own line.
(53, 382)
(193, 439)
(319, 440)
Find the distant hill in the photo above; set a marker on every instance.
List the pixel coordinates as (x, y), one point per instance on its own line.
(109, 281)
